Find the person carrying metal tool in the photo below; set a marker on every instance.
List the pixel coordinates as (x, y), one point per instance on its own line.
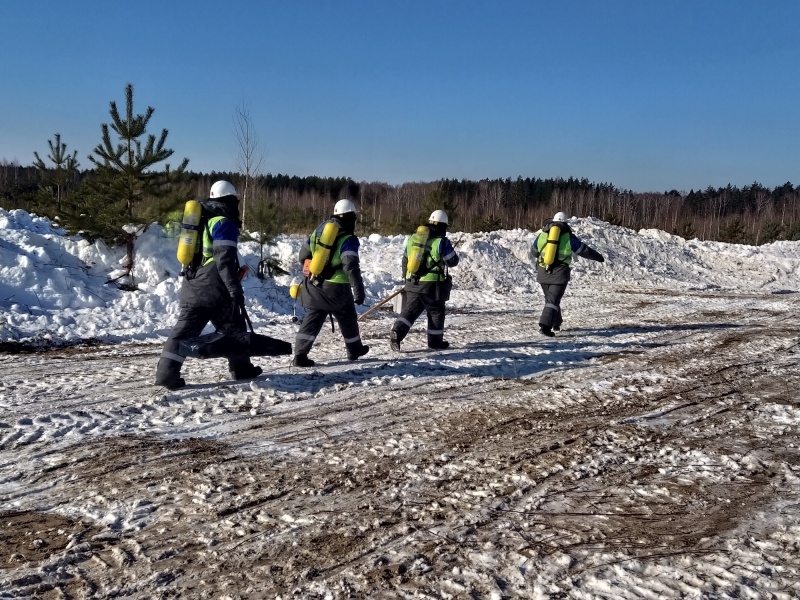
(212, 292)
(552, 250)
(427, 256)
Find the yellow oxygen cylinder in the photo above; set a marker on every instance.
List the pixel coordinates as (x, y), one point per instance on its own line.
(551, 247)
(190, 229)
(294, 288)
(417, 254)
(323, 248)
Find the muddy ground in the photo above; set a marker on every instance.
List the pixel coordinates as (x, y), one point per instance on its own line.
(650, 450)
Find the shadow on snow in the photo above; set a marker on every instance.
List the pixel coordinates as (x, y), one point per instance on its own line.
(502, 360)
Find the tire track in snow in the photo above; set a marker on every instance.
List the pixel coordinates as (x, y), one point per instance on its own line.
(411, 473)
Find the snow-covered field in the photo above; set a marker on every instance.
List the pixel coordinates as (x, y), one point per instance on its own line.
(650, 450)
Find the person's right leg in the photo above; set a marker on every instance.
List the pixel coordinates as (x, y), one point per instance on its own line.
(191, 322)
(310, 327)
(402, 325)
(436, 311)
(551, 313)
(348, 325)
(229, 319)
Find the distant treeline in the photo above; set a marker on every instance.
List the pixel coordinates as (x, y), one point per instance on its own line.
(753, 214)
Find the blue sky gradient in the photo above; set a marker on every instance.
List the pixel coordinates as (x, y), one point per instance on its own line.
(648, 95)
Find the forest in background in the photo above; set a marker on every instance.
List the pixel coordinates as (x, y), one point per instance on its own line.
(279, 203)
(123, 192)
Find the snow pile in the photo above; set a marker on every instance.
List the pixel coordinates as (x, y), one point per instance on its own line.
(57, 287)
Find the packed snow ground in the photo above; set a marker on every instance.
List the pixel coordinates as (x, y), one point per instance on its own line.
(650, 450)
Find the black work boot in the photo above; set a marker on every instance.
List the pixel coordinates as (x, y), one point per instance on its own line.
(168, 374)
(175, 383)
(356, 352)
(248, 371)
(395, 341)
(302, 360)
(437, 343)
(546, 330)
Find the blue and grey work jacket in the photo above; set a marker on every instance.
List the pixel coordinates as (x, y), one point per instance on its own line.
(568, 244)
(220, 242)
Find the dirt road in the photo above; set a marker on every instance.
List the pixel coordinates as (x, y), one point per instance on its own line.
(650, 450)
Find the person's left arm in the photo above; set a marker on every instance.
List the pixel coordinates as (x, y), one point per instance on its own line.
(352, 267)
(305, 251)
(533, 252)
(404, 261)
(225, 237)
(583, 250)
(448, 253)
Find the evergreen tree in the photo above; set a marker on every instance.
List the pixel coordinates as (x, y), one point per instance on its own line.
(125, 172)
(66, 165)
(733, 232)
(489, 223)
(769, 232)
(266, 222)
(687, 231)
(437, 199)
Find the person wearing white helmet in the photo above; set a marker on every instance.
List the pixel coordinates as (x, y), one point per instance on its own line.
(428, 288)
(212, 292)
(554, 278)
(337, 289)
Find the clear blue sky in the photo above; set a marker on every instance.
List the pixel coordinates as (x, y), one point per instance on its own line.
(649, 95)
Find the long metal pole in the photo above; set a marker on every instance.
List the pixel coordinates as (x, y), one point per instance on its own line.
(381, 303)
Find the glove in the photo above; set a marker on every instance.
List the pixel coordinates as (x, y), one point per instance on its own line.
(359, 298)
(237, 312)
(592, 254)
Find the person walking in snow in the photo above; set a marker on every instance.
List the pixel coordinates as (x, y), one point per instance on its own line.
(213, 293)
(337, 289)
(554, 277)
(427, 287)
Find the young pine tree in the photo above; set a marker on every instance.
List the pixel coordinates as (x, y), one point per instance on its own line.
(436, 199)
(265, 223)
(126, 171)
(63, 170)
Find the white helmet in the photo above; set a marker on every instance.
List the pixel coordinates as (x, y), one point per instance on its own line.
(343, 207)
(439, 216)
(561, 217)
(223, 188)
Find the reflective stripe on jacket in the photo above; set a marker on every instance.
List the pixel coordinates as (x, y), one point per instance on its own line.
(220, 231)
(220, 251)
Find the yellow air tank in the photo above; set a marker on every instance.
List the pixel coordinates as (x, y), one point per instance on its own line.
(551, 247)
(190, 229)
(323, 249)
(417, 254)
(294, 288)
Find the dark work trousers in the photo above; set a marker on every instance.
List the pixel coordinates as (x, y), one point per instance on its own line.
(313, 321)
(551, 314)
(416, 302)
(191, 322)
